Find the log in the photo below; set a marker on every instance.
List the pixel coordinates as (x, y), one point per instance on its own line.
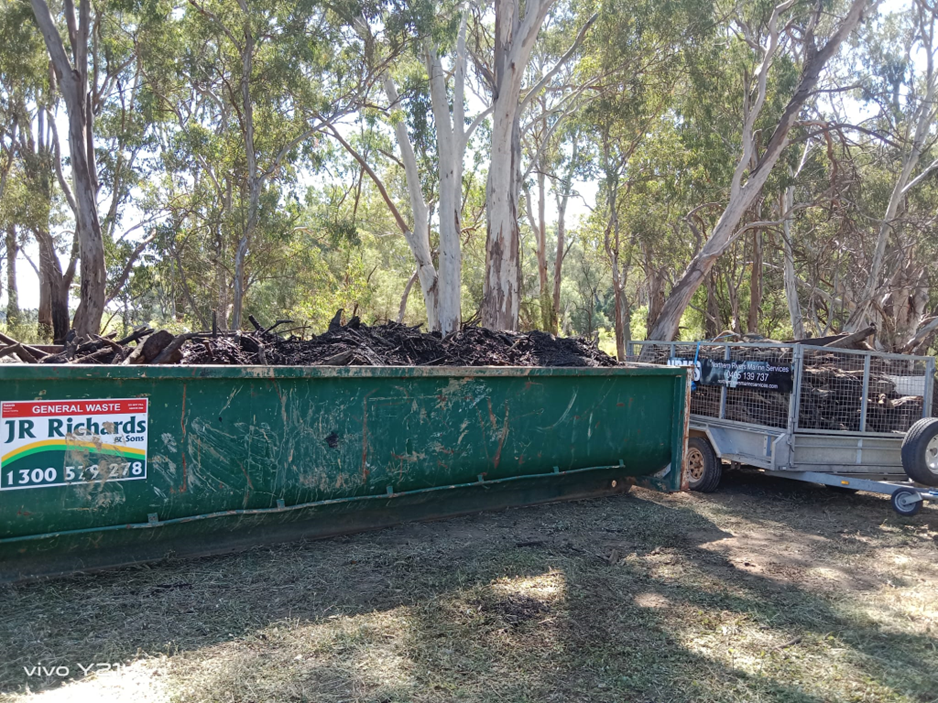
(851, 340)
(172, 353)
(150, 348)
(18, 350)
(841, 341)
(33, 353)
(137, 334)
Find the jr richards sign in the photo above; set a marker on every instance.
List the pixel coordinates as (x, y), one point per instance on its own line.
(69, 442)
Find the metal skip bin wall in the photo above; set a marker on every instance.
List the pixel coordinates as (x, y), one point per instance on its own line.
(107, 465)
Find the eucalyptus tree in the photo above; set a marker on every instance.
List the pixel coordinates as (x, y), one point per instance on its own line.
(32, 195)
(443, 39)
(901, 78)
(790, 278)
(514, 102)
(95, 71)
(515, 32)
(434, 50)
(11, 241)
(552, 142)
(244, 91)
(9, 68)
(420, 53)
(769, 38)
(876, 224)
(639, 54)
(79, 95)
(452, 138)
(249, 46)
(555, 160)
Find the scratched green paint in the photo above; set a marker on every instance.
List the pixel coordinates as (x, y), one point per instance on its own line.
(241, 438)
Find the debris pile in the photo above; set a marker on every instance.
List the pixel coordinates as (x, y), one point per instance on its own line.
(352, 344)
(831, 391)
(831, 396)
(393, 344)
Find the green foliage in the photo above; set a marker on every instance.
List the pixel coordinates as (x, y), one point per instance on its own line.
(646, 113)
(24, 329)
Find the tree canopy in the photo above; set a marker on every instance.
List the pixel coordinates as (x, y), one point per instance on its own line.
(611, 168)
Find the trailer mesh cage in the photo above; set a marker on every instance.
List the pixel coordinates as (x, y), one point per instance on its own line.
(826, 389)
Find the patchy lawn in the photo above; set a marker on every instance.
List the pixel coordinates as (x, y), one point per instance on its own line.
(766, 591)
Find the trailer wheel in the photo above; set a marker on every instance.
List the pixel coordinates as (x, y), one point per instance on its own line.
(920, 452)
(906, 501)
(703, 466)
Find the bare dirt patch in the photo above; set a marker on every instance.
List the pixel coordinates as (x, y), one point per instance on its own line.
(765, 591)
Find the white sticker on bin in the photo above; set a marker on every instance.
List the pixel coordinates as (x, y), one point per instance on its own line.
(72, 442)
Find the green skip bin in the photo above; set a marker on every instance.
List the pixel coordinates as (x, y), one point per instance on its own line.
(109, 465)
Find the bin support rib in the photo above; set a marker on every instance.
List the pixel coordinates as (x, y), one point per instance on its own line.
(794, 399)
(723, 392)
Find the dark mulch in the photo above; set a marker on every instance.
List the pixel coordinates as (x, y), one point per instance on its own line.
(392, 344)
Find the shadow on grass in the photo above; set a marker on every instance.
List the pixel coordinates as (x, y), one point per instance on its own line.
(595, 601)
(813, 502)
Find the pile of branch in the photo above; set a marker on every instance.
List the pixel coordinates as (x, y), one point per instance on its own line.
(855, 340)
(393, 344)
(352, 344)
(77, 350)
(831, 392)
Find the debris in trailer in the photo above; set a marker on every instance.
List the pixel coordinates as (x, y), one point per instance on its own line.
(352, 344)
(832, 387)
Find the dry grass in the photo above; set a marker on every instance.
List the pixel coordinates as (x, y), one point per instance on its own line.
(767, 591)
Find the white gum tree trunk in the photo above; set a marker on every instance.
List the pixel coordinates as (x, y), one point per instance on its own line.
(502, 290)
(442, 286)
(786, 207)
(73, 80)
(418, 236)
(451, 139)
(514, 39)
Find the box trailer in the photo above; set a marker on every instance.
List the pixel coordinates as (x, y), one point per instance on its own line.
(853, 419)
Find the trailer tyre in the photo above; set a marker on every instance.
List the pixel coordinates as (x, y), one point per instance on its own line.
(906, 501)
(703, 466)
(920, 452)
